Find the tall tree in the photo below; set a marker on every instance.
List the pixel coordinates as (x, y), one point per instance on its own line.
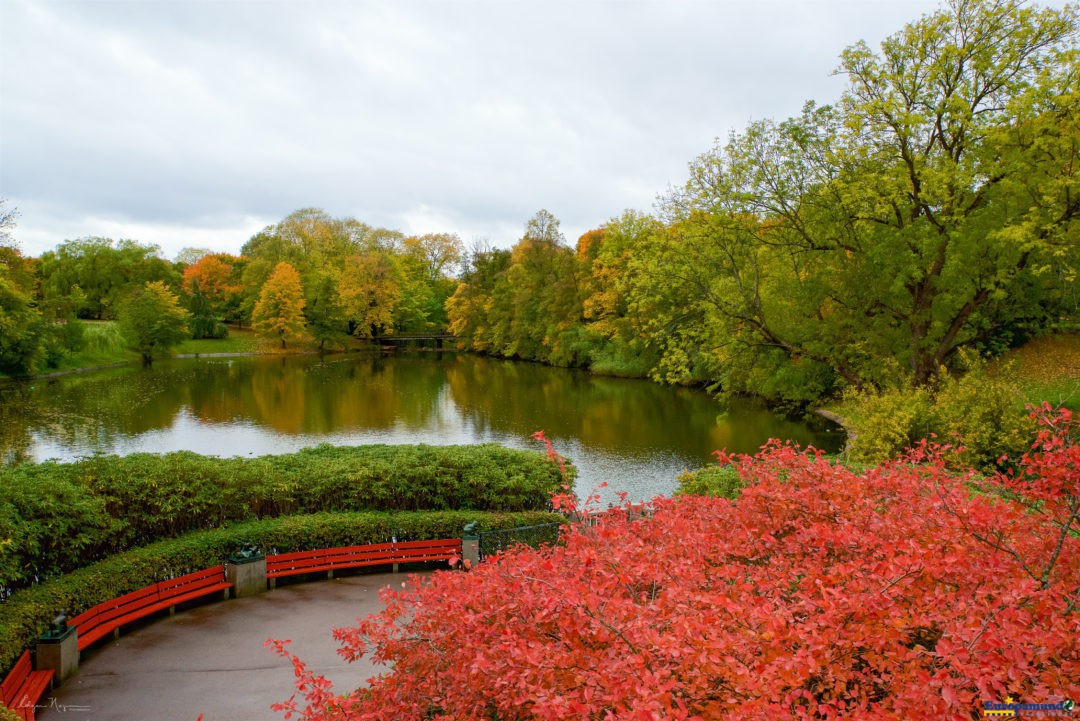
(370, 289)
(152, 320)
(104, 270)
(279, 313)
(904, 223)
(216, 278)
(527, 301)
(23, 331)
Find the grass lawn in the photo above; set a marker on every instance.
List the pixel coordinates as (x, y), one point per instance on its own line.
(239, 340)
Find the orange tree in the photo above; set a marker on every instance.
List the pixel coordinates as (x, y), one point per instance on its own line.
(903, 592)
(215, 277)
(279, 313)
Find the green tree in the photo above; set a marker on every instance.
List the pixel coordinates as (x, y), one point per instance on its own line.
(152, 320)
(279, 314)
(24, 335)
(605, 280)
(22, 329)
(918, 217)
(425, 262)
(324, 313)
(204, 321)
(471, 312)
(104, 270)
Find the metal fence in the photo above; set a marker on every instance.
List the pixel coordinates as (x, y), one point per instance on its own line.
(492, 542)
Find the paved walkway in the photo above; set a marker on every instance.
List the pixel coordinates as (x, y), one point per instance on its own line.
(210, 660)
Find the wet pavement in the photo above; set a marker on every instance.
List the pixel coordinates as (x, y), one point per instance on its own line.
(211, 659)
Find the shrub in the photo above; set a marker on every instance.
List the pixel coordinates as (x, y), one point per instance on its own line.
(717, 481)
(55, 517)
(981, 415)
(27, 612)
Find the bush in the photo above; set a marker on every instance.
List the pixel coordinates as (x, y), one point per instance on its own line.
(717, 481)
(981, 414)
(55, 517)
(26, 613)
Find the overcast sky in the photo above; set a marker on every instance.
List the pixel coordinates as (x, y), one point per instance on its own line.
(198, 122)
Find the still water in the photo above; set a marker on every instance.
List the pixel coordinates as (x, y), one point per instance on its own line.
(636, 435)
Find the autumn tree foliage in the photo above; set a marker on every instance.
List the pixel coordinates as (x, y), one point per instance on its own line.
(370, 289)
(215, 277)
(279, 314)
(905, 592)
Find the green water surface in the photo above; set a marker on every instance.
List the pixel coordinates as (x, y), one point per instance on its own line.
(633, 434)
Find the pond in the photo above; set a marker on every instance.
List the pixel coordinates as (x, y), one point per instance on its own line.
(634, 434)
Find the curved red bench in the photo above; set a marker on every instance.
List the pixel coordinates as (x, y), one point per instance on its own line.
(97, 621)
(377, 554)
(23, 687)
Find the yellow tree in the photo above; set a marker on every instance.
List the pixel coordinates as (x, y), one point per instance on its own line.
(370, 290)
(279, 313)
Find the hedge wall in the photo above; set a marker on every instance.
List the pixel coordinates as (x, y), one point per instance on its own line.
(56, 517)
(26, 613)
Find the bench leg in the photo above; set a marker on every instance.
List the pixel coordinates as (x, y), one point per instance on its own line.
(330, 575)
(273, 583)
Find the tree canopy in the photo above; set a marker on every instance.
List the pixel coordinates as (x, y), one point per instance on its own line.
(152, 320)
(279, 312)
(933, 209)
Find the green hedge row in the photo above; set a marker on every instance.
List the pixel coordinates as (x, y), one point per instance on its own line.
(56, 517)
(26, 613)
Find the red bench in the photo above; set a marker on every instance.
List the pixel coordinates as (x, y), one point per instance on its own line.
(378, 554)
(23, 687)
(97, 621)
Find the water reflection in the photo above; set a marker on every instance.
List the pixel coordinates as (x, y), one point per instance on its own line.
(635, 434)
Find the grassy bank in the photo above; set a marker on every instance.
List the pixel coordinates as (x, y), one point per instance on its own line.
(1047, 369)
(239, 340)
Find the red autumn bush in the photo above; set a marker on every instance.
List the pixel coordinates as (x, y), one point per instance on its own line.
(898, 593)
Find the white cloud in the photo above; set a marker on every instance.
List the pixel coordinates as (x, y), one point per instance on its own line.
(184, 122)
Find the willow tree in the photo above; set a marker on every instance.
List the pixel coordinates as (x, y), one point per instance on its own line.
(933, 208)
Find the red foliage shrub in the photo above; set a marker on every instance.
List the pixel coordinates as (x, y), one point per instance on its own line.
(895, 594)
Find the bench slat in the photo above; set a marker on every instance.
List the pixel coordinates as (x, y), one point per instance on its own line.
(105, 617)
(10, 687)
(329, 559)
(23, 686)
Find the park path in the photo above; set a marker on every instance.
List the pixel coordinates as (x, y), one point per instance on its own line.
(211, 660)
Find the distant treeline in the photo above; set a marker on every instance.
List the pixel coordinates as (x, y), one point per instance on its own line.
(310, 277)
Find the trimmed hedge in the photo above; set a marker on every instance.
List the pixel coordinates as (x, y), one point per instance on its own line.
(56, 517)
(26, 614)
